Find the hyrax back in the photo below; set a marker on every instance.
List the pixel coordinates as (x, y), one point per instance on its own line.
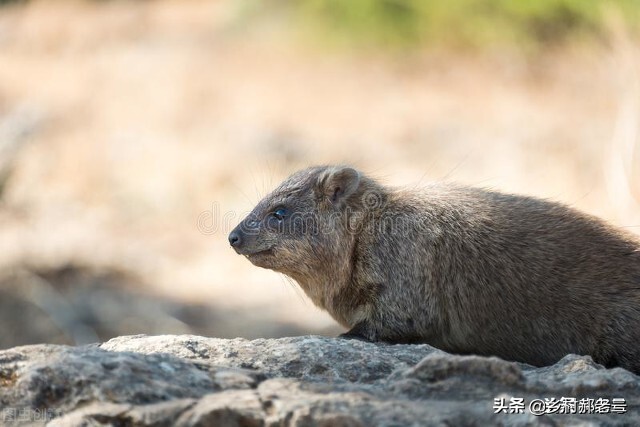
(463, 269)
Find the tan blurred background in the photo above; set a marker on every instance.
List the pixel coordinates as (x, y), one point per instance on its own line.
(135, 134)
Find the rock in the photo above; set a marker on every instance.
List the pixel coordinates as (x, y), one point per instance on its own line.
(301, 381)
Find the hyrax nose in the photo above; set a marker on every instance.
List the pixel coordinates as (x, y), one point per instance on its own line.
(234, 239)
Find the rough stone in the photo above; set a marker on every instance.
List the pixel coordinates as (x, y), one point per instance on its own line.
(303, 381)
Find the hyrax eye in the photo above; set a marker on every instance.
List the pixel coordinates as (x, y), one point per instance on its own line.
(279, 214)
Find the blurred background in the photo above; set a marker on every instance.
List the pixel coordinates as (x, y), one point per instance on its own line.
(134, 135)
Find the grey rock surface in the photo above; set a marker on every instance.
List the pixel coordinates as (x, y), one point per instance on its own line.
(301, 381)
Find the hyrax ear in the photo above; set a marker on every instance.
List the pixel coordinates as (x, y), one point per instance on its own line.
(339, 183)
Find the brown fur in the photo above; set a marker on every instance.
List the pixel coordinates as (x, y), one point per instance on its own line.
(464, 269)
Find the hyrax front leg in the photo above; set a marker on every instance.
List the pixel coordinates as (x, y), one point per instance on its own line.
(361, 331)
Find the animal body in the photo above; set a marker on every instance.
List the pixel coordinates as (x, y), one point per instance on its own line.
(467, 270)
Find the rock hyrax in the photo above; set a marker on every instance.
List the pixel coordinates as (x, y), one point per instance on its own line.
(466, 270)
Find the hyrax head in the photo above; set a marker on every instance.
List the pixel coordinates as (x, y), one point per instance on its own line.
(300, 226)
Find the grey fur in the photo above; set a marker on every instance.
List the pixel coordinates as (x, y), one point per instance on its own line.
(466, 270)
